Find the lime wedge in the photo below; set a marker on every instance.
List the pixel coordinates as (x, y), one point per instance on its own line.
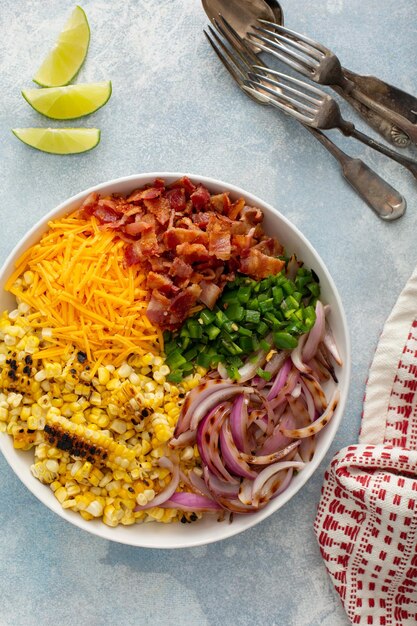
(68, 54)
(59, 140)
(66, 103)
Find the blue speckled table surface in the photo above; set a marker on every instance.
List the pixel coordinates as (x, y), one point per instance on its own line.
(174, 108)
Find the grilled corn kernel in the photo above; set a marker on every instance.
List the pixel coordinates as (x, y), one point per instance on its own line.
(95, 399)
(124, 371)
(87, 516)
(69, 504)
(40, 376)
(61, 494)
(103, 375)
(95, 508)
(148, 359)
(113, 384)
(118, 426)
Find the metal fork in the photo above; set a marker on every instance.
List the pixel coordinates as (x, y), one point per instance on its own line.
(321, 65)
(238, 58)
(315, 108)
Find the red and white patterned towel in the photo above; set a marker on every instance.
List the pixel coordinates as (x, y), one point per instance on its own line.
(366, 523)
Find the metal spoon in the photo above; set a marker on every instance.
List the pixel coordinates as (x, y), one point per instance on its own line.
(242, 15)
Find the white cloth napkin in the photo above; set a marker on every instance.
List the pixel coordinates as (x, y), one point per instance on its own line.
(366, 523)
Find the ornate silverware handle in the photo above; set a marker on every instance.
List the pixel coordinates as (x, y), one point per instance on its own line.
(392, 97)
(389, 131)
(391, 111)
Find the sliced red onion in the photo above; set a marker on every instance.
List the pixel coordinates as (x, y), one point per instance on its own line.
(219, 488)
(323, 357)
(194, 399)
(267, 459)
(272, 366)
(299, 410)
(223, 371)
(191, 502)
(307, 448)
(315, 427)
(276, 362)
(297, 356)
(235, 506)
(245, 492)
(312, 412)
(266, 474)
(318, 369)
(261, 423)
(198, 484)
(287, 389)
(329, 340)
(239, 423)
(316, 334)
(317, 393)
(231, 454)
(277, 440)
(280, 380)
(272, 418)
(167, 492)
(208, 443)
(227, 391)
(189, 437)
(248, 371)
(185, 439)
(296, 392)
(276, 484)
(200, 437)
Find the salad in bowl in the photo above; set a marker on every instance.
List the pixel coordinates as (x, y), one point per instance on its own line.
(173, 351)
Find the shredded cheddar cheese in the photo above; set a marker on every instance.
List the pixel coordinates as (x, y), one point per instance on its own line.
(82, 290)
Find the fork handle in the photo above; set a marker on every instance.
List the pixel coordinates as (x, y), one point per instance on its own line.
(408, 127)
(349, 129)
(386, 201)
(390, 132)
(391, 116)
(392, 97)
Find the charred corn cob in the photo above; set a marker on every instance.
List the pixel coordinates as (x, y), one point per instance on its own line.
(97, 431)
(83, 442)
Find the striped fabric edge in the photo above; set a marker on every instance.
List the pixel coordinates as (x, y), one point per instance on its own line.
(389, 351)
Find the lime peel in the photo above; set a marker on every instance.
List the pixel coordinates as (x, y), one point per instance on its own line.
(66, 103)
(67, 56)
(59, 140)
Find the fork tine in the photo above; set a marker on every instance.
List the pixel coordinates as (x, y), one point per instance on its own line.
(282, 57)
(302, 47)
(276, 103)
(290, 57)
(283, 93)
(287, 78)
(282, 87)
(286, 31)
(225, 57)
(236, 42)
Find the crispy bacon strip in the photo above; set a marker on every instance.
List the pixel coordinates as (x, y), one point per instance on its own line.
(258, 265)
(189, 243)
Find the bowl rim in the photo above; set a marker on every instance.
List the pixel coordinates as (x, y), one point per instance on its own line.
(99, 529)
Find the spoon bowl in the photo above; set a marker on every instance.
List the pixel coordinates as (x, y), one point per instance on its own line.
(243, 14)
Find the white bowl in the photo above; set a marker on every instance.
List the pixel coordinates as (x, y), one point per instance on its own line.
(207, 530)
